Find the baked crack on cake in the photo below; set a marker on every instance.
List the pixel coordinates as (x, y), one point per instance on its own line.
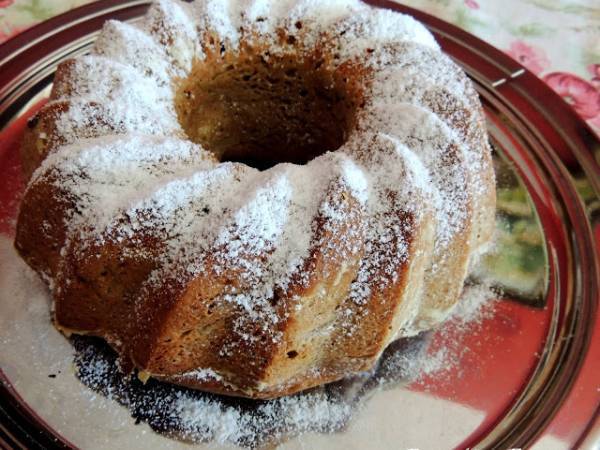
(256, 197)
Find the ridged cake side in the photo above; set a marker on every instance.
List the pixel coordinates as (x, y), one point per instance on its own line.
(222, 277)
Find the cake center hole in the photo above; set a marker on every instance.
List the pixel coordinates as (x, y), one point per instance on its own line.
(262, 110)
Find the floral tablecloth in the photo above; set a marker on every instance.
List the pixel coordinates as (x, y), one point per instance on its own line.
(558, 40)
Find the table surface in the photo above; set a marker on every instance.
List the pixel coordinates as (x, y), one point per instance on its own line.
(558, 40)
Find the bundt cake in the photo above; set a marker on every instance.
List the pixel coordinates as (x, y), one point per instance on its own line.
(256, 197)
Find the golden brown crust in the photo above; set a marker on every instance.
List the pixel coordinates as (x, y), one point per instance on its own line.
(284, 369)
(191, 331)
(41, 137)
(43, 207)
(317, 331)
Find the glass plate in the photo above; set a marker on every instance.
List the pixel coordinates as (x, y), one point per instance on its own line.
(528, 376)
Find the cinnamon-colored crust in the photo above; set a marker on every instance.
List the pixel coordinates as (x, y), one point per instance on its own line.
(167, 330)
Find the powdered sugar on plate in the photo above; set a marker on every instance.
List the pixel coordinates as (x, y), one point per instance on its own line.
(192, 415)
(202, 417)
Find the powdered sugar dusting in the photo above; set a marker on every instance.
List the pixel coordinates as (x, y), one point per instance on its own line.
(103, 175)
(202, 417)
(132, 46)
(197, 416)
(405, 167)
(475, 306)
(204, 374)
(170, 24)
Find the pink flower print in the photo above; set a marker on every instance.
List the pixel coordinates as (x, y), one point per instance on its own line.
(6, 3)
(472, 4)
(595, 71)
(533, 58)
(579, 93)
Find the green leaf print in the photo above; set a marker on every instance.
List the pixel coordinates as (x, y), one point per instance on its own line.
(530, 30)
(464, 19)
(593, 13)
(36, 9)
